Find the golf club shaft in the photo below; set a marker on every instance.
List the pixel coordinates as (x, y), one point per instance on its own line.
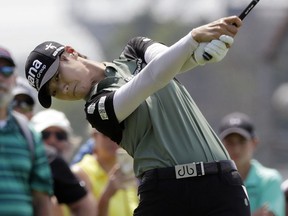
(244, 13)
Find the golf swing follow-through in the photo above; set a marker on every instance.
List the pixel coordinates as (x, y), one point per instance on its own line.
(244, 13)
(136, 101)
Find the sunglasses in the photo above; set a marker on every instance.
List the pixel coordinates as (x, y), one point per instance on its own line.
(61, 136)
(7, 71)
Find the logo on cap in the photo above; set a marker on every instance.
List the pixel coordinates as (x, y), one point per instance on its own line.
(39, 62)
(33, 73)
(57, 50)
(235, 121)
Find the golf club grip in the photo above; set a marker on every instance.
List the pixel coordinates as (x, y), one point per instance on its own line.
(244, 13)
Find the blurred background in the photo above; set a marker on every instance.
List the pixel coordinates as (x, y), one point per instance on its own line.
(253, 78)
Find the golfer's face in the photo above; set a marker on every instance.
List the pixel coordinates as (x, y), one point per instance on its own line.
(71, 81)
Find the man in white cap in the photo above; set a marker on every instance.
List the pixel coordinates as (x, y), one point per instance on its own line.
(24, 98)
(25, 177)
(67, 188)
(56, 131)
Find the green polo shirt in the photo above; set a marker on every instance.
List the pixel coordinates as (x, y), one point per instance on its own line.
(20, 175)
(264, 187)
(168, 129)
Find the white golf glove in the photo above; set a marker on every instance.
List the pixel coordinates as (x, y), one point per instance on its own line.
(216, 48)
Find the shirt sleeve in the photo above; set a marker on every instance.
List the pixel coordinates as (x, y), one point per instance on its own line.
(107, 110)
(67, 187)
(136, 48)
(158, 48)
(158, 73)
(100, 114)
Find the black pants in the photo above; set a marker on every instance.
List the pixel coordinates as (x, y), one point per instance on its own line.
(220, 194)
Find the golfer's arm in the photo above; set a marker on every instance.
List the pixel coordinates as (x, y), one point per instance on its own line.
(158, 48)
(158, 73)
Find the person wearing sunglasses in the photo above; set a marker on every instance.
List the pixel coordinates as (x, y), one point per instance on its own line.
(24, 98)
(70, 192)
(56, 131)
(25, 182)
(68, 189)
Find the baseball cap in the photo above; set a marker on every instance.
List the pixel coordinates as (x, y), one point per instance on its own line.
(29, 99)
(51, 118)
(23, 88)
(41, 65)
(5, 54)
(238, 123)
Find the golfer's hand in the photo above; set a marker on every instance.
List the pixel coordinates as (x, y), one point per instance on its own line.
(216, 48)
(224, 26)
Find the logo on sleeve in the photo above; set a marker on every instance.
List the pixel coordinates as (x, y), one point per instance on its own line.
(101, 108)
(91, 108)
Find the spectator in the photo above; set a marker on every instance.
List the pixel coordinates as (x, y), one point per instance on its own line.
(24, 98)
(85, 148)
(25, 177)
(56, 131)
(67, 188)
(263, 184)
(115, 191)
